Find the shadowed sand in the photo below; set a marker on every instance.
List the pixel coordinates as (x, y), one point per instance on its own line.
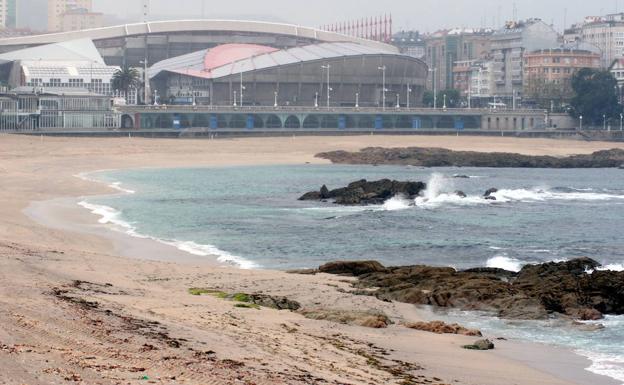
(79, 302)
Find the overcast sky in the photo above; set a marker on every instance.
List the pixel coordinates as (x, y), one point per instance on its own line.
(423, 15)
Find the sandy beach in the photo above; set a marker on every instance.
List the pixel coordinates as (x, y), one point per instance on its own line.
(80, 303)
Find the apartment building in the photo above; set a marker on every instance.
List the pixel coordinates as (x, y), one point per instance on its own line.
(445, 48)
(8, 13)
(57, 10)
(509, 45)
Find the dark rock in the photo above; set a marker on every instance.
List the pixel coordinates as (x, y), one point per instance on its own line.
(460, 194)
(324, 192)
(481, 345)
(440, 327)
(461, 176)
(364, 192)
(279, 303)
(536, 292)
(353, 268)
(589, 315)
(490, 192)
(490, 198)
(439, 157)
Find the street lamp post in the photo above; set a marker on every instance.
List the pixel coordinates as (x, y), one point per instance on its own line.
(275, 103)
(235, 98)
(357, 100)
(444, 105)
(398, 100)
(316, 99)
(621, 121)
(383, 85)
(604, 122)
(409, 91)
(581, 122)
(145, 81)
(435, 87)
(327, 67)
(242, 88)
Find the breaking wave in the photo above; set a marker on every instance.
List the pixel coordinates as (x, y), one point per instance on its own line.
(113, 217)
(505, 263)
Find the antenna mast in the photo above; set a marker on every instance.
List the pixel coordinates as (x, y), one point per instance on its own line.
(146, 10)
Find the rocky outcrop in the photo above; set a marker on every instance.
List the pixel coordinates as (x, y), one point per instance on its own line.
(364, 192)
(480, 345)
(439, 327)
(352, 268)
(439, 157)
(573, 288)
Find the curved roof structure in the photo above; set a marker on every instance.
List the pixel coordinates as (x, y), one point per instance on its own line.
(177, 26)
(75, 50)
(230, 59)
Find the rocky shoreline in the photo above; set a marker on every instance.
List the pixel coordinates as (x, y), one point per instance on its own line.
(439, 157)
(575, 289)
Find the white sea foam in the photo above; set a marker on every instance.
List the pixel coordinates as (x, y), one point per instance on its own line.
(612, 267)
(112, 217)
(114, 185)
(397, 203)
(610, 365)
(505, 263)
(539, 194)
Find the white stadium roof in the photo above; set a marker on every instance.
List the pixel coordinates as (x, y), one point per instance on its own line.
(177, 26)
(82, 50)
(196, 63)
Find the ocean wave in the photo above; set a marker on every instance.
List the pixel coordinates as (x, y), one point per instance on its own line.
(612, 267)
(539, 195)
(505, 263)
(397, 203)
(114, 185)
(113, 217)
(610, 365)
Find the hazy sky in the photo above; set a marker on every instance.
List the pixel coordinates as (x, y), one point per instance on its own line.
(423, 15)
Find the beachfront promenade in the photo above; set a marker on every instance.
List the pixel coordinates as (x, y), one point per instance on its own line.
(332, 118)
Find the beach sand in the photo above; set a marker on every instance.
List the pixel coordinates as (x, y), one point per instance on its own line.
(80, 303)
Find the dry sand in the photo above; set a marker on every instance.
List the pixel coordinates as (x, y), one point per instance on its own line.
(82, 304)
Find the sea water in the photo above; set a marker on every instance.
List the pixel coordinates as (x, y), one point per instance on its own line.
(250, 217)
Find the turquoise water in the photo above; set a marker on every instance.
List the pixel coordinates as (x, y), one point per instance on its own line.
(253, 213)
(250, 216)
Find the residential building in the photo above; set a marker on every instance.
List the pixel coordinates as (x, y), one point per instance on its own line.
(444, 48)
(548, 73)
(410, 43)
(617, 70)
(508, 47)
(462, 74)
(58, 8)
(79, 19)
(606, 33)
(8, 13)
(482, 81)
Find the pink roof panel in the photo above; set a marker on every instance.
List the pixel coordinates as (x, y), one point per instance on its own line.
(230, 53)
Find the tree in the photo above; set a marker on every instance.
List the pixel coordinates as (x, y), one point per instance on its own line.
(452, 98)
(595, 96)
(125, 79)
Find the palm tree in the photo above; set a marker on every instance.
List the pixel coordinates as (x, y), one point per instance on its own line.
(126, 78)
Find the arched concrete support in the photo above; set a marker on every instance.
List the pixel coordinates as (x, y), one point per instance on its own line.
(273, 121)
(292, 122)
(127, 121)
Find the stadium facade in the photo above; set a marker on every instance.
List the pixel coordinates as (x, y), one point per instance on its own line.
(336, 74)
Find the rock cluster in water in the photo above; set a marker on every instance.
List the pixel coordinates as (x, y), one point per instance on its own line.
(439, 157)
(364, 192)
(573, 288)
